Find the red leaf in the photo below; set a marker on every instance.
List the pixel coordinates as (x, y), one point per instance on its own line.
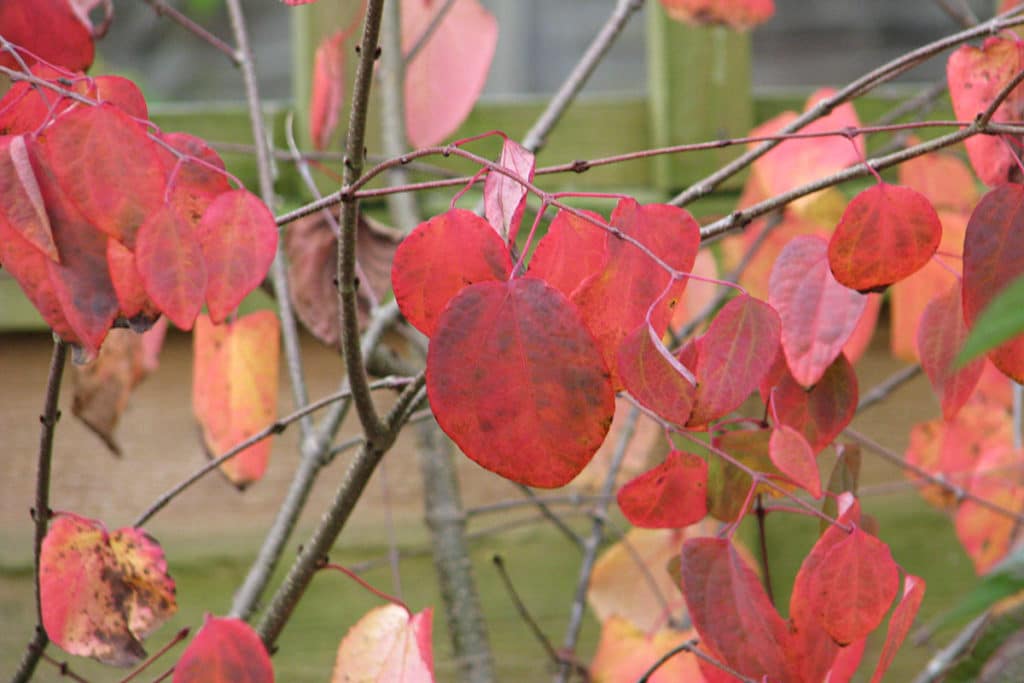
(853, 586)
(107, 165)
(170, 264)
(517, 381)
(793, 456)
(739, 14)
(120, 92)
(21, 200)
(672, 495)
(655, 378)
(887, 233)
(572, 250)
(731, 612)
(504, 197)
(131, 292)
(993, 258)
(823, 411)
(446, 76)
(387, 644)
(975, 77)
(900, 622)
(238, 239)
(860, 339)
(985, 534)
(818, 314)
(441, 257)
(102, 593)
(615, 300)
(626, 653)
(328, 89)
(733, 356)
(226, 650)
(196, 179)
(940, 336)
(50, 30)
(234, 389)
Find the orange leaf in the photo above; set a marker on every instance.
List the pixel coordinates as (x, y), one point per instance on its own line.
(234, 389)
(985, 534)
(387, 645)
(226, 650)
(625, 653)
(102, 593)
(740, 14)
(943, 178)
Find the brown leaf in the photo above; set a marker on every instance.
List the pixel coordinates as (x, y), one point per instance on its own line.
(102, 388)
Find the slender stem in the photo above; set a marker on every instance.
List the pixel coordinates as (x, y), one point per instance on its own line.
(593, 542)
(687, 646)
(536, 137)
(882, 390)
(428, 32)
(278, 269)
(551, 516)
(41, 510)
(162, 9)
(524, 612)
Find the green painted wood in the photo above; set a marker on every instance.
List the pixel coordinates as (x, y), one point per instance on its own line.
(699, 89)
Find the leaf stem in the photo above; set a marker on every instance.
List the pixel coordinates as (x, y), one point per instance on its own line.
(41, 509)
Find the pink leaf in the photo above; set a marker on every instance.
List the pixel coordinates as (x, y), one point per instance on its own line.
(940, 336)
(655, 378)
(900, 622)
(504, 197)
(328, 89)
(793, 456)
(672, 495)
(387, 644)
(225, 649)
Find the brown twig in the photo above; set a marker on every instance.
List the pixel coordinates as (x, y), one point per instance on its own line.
(162, 9)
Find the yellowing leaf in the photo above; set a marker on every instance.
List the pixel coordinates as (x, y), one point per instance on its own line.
(625, 653)
(388, 645)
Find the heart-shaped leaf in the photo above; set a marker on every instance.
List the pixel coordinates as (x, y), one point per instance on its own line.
(672, 495)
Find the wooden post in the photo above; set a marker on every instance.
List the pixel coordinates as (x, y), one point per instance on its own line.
(699, 90)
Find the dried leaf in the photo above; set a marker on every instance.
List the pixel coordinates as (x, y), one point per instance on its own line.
(103, 386)
(504, 197)
(388, 644)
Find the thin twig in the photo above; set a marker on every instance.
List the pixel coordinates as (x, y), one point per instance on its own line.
(593, 542)
(882, 390)
(960, 12)
(65, 669)
(41, 511)
(162, 9)
(688, 646)
(550, 515)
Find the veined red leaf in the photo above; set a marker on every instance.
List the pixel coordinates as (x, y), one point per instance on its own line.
(739, 14)
(504, 197)
(196, 179)
(238, 239)
(131, 292)
(615, 300)
(860, 339)
(943, 178)
(234, 389)
(985, 534)
(731, 612)
(225, 650)
(49, 29)
(854, 586)
(793, 456)
(823, 411)
(515, 378)
(993, 248)
(102, 593)
(447, 74)
(107, 165)
(21, 200)
(818, 314)
(887, 233)
(900, 622)
(672, 495)
(976, 76)
(170, 263)
(120, 92)
(655, 378)
(439, 258)
(572, 250)
(733, 356)
(940, 336)
(387, 644)
(328, 89)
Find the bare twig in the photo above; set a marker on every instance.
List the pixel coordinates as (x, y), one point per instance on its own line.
(164, 10)
(551, 516)
(882, 390)
(41, 511)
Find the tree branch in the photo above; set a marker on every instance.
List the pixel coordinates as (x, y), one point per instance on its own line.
(162, 9)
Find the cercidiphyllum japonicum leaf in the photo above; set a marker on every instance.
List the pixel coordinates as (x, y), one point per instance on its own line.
(225, 650)
(656, 379)
(387, 645)
(573, 249)
(672, 495)
(940, 336)
(887, 233)
(626, 652)
(195, 180)
(102, 593)
(517, 381)
(984, 533)
(845, 478)
(999, 322)
(821, 412)
(818, 314)
(738, 14)
(234, 389)
(21, 200)
(439, 258)
(793, 456)
(128, 284)
(327, 91)
(171, 265)
(733, 356)
(976, 76)
(731, 612)
(238, 239)
(504, 197)
(993, 258)
(900, 622)
(444, 79)
(943, 178)
(729, 485)
(616, 299)
(50, 29)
